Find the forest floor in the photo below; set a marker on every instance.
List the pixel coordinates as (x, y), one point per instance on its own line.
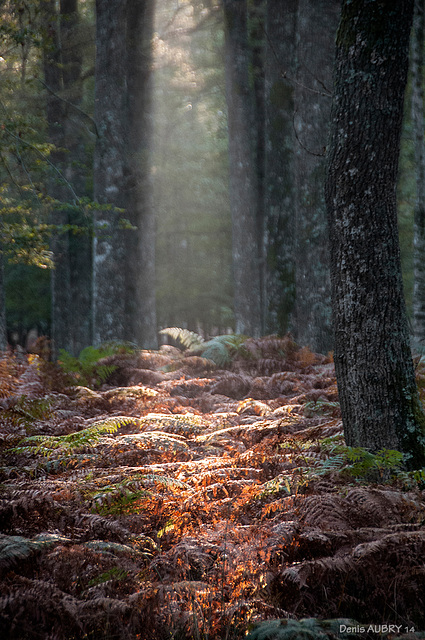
(179, 500)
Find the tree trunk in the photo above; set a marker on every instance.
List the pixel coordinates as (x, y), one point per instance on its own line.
(279, 165)
(71, 277)
(257, 10)
(61, 277)
(3, 327)
(376, 383)
(123, 289)
(316, 29)
(243, 171)
(418, 135)
(109, 321)
(141, 305)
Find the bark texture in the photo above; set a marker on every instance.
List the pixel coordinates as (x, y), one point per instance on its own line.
(61, 276)
(417, 68)
(71, 278)
(316, 29)
(377, 389)
(280, 191)
(244, 202)
(109, 321)
(123, 262)
(140, 307)
(3, 327)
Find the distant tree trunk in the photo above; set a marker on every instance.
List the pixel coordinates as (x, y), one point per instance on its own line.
(123, 261)
(279, 165)
(3, 327)
(109, 277)
(71, 277)
(257, 10)
(376, 383)
(316, 29)
(243, 171)
(80, 246)
(61, 277)
(141, 306)
(418, 134)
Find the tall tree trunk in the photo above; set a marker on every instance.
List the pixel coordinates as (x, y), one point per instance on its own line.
(243, 171)
(317, 25)
(141, 306)
(79, 246)
(123, 260)
(279, 164)
(257, 11)
(109, 176)
(3, 327)
(418, 134)
(376, 383)
(61, 277)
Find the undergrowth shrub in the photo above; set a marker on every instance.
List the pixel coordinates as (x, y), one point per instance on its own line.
(359, 463)
(87, 370)
(221, 349)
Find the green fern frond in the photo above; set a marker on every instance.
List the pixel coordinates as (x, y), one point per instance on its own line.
(16, 548)
(176, 423)
(85, 369)
(111, 547)
(71, 442)
(156, 439)
(119, 497)
(188, 339)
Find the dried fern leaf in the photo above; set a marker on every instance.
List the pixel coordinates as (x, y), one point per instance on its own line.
(188, 339)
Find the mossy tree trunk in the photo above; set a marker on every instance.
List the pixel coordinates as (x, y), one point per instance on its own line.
(417, 68)
(3, 328)
(376, 383)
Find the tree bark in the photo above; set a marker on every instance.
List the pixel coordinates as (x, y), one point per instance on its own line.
(123, 262)
(141, 306)
(376, 383)
(316, 29)
(3, 327)
(243, 171)
(61, 276)
(280, 193)
(109, 321)
(417, 67)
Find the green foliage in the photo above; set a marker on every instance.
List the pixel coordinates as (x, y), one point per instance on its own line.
(357, 462)
(27, 411)
(13, 549)
(67, 445)
(188, 339)
(85, 370)
(122, 497)
(116, 573)
(220, 349)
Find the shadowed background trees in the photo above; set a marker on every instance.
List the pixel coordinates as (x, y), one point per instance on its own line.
(198, 135)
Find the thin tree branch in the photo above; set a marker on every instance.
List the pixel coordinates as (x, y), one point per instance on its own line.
(71, 104)
(311, 153)
(45, 158)
(325, 94)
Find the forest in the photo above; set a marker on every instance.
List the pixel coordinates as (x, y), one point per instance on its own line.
(212, 319)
